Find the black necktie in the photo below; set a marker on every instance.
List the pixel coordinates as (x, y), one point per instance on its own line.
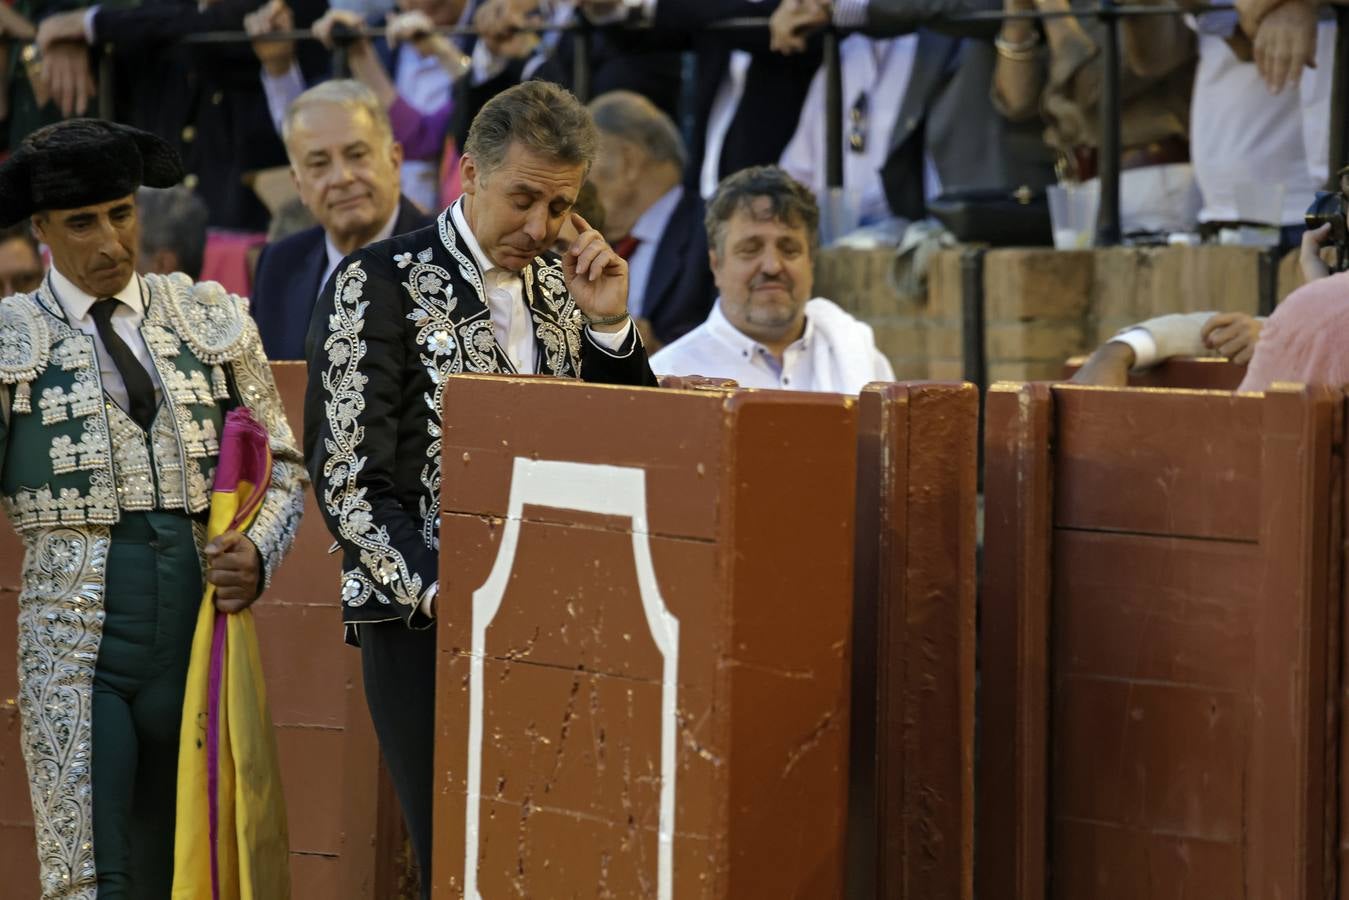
(140, 389)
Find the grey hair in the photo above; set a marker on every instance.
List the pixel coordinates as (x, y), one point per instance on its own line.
(174, 219)
(790, 202)
(539, 116)
(631, 116)
(342, 92)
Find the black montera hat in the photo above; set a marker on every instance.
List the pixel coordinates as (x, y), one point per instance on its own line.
(80, 162)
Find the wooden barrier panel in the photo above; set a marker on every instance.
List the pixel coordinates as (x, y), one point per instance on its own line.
(911, 822)
(644, 627)
(345, 826)
(1160, 639)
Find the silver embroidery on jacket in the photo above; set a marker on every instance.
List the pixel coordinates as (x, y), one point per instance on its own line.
(60, 624)
(344, 497)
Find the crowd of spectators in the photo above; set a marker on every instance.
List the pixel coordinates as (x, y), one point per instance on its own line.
(1218, 107)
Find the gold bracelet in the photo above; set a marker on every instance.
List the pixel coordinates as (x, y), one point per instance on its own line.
(1021, 52)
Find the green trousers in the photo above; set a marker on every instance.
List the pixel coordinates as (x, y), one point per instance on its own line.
(154, 586)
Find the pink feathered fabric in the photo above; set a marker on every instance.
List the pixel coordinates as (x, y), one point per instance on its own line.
(1307, 338)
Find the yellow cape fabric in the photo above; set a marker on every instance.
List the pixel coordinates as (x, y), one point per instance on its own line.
(253, 846)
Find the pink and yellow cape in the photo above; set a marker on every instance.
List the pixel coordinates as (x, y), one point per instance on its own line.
(231, 841)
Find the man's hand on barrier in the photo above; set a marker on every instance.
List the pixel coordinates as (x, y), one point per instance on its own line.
(1108, 367)
(1232, 335)
(277, 57)
(67, 78)
(350, 21)
(1285, 43)
(794, 21)
(1309, 257)
(66, 27)
(597, 277)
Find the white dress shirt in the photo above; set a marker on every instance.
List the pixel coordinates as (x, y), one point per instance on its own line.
(717, 349)
(336, 256)
(881, 70)
(648, 230)
(126, 321)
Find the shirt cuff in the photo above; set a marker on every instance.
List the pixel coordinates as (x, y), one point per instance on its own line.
(1143, 344)
(850, 13)
(281, 91)
(89, 33)
(612, 343)
(427, 606)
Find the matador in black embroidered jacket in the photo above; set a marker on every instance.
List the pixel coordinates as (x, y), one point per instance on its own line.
(478, 291)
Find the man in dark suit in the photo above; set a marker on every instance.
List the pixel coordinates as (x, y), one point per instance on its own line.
(479, 291)
(345, 164)
(653, 221)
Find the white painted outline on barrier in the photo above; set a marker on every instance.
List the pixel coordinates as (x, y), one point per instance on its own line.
(607, 490)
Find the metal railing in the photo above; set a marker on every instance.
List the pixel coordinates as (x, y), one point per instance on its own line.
(1110, 13)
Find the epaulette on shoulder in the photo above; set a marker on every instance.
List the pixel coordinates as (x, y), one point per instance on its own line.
(209, 319)
(25, 346)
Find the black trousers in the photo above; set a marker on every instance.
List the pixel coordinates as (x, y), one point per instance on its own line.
(399, 665)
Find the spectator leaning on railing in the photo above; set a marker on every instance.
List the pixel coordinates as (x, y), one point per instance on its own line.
(1053, 69)
(505, 55)
(411, 75)
(946, 113)
(876, 73)
(746, 100)
(202, 99)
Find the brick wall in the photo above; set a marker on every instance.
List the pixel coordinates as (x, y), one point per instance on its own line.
(1041, 306)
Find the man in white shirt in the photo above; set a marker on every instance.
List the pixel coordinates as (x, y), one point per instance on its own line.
(650, 218)
(765, 331)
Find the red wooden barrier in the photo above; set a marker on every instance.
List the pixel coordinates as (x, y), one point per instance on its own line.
(1160, 640)
(912, 763)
